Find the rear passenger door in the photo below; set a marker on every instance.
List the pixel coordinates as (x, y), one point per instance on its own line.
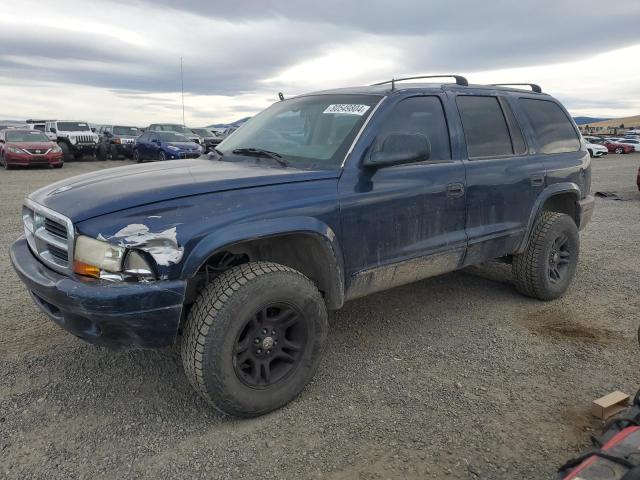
(503, 181)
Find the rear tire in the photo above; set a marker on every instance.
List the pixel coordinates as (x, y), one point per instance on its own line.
(254, 338)
(547, 266)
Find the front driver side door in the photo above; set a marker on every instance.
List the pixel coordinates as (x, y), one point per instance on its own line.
(405, 222)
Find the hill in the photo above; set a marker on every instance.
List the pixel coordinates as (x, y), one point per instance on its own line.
(232, 124)
(628, 122)
(588, 120)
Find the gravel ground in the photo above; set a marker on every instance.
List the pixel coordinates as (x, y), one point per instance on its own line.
(452, 377)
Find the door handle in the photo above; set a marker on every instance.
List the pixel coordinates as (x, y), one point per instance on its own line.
(537, 180)
(455, 190)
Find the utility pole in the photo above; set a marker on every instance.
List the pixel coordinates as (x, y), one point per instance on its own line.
(182, 89)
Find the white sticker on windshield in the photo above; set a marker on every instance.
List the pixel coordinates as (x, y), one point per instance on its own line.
(347, 108)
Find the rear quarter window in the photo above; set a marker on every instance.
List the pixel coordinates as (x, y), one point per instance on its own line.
(552, 128)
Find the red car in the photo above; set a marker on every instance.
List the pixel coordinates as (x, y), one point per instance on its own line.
(26, 147)
(618, 147)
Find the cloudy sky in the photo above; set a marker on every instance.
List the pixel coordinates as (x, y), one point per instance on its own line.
(119, 60)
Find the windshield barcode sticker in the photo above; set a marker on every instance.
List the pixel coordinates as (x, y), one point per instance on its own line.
(347, 108)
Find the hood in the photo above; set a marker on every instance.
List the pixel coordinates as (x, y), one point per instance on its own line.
(44, 146)
(108, 191)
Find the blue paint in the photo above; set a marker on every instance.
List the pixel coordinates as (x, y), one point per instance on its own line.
(425, 217)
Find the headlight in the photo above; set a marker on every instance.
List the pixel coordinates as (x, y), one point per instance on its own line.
(15, 150)
(56, 149)
(173, 147)
(95, 258)
(73, 140)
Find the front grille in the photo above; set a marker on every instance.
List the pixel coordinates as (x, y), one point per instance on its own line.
(55, 228)
(37, 151)
(84, 139)
(50, 236)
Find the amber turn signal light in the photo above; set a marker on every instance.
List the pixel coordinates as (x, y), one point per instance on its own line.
(82, 268)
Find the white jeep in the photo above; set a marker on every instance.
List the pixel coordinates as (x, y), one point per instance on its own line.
(75, 138)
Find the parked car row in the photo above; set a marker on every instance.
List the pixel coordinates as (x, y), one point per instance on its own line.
(596, 145)
(68, 140)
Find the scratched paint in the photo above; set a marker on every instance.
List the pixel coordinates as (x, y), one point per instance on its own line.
(162, 246)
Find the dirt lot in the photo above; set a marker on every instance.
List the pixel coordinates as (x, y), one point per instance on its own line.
(453, 377)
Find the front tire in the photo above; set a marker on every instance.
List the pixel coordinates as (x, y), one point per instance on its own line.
(136, 156)
(547, 266)
(162, 156)
(66, 152)
(254, 338)
(619, 150)
(101, 154)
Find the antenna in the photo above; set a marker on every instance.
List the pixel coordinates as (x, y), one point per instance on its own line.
(182, 89)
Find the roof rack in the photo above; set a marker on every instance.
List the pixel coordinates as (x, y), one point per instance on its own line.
(459, 80)
(534, 87)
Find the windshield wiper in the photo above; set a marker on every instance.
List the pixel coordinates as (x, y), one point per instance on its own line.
(259, 152)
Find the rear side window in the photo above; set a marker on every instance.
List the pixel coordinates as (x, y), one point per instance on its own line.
(485, 127)
(551, 126)
(423, 115)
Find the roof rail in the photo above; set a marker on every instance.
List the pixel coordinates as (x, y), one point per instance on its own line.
(534, 87)
(459, 80)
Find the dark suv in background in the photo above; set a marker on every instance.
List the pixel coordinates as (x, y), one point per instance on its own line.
(317, 200)
(116, 140)
(209, 139)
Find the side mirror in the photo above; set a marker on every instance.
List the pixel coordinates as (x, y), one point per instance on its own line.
(52, 130)
(398, 148)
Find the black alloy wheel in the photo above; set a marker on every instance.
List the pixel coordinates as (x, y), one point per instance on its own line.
(270, 346)
(559, 259)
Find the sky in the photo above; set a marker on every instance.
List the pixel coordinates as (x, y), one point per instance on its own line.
(118, 61)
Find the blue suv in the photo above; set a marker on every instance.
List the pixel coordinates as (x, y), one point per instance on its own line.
(317, 200)
(164, 146)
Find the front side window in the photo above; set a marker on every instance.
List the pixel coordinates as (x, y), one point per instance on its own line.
(419, 115)
(307, 132)
(551, 126)
(485, 127)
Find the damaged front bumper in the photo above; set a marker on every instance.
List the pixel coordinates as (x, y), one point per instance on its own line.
(116, 315)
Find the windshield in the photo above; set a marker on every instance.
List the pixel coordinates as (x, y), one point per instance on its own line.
(133, 131)
(203, 132)
(172, 137)
(73, 127)
(26, 136)
(177, 128)
(307, 132)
